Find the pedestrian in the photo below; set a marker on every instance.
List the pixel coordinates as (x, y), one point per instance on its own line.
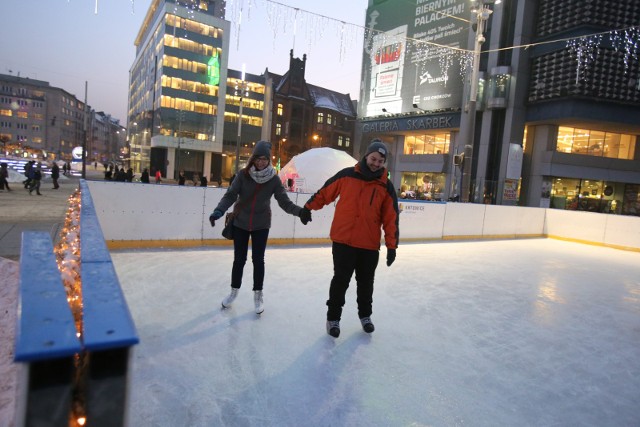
(68, 168)
(203, 181)
(28, 173)
(36, 177)
(158, 177)
(4, 176)
(181, 178)
(121, 175)
(367, 202)
(145, 176)
(130, 175)
(64, 168)
(251, 192)
(55, 174)
(196, 179)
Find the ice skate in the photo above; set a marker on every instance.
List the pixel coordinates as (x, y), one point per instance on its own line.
(257, 299)
(226, 303)
(367, 325)
(333, 328)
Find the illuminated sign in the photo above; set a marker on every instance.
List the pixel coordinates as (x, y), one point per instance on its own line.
(213, 70)
(447, 121)
(408, 57)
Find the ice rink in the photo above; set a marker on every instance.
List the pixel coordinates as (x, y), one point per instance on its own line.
(534, 332)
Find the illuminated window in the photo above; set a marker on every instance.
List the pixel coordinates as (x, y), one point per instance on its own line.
(278, 129)
(595, 143)
(8, 113)
(347, 142)
(340, 140)
(320, 118)
(437, 143)
(280, 109)
(329, 119)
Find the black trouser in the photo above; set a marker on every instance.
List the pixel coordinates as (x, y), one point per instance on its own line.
(240, 249)
(346, 260)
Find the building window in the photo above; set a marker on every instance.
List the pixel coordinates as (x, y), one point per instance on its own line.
(437, 143)
(347, 142)
(280, 109)
(422, 186)
(320, 118)
(595, 143)
(329, 119)
(278, 129)
(340, 140)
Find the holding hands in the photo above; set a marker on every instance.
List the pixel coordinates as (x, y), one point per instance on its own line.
(214, 216)
(305, 216)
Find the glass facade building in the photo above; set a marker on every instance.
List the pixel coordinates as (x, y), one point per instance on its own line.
(176, 101)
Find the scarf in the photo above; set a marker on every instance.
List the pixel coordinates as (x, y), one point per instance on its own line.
(368, 173)
(262, 176)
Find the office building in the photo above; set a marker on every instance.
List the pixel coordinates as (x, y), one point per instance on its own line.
(176, 102)
(549, 118)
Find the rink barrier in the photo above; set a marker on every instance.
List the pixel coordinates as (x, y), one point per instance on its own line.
(47, 345)
(136, 215)
(46, 341)
(109, 332)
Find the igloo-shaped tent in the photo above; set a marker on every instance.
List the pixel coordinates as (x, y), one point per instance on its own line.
(308, 171)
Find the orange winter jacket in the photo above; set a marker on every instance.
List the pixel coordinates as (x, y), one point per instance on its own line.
(364, 205)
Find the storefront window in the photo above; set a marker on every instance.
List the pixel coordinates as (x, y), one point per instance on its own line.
(586, 195)
(437, 143)
(422, 186)
(595, 143)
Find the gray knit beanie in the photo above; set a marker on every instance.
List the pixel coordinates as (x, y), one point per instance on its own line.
(262, 148)
(377, 146)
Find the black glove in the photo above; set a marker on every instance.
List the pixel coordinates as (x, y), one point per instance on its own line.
(305, 216)
(391, 256)
(214, 216)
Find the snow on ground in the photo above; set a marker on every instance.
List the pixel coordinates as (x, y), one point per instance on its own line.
(520, 332)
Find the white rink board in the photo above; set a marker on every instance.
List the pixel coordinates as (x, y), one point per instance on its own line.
(132, 211)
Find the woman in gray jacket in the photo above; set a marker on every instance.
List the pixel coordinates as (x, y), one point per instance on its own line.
(251, 192)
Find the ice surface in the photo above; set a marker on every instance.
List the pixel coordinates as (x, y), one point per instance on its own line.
(520, 332)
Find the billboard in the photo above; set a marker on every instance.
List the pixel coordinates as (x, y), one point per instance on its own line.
(408, 57)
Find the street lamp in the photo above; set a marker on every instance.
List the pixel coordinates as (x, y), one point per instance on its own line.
(180, 119)
(482, 14)
(241, 91)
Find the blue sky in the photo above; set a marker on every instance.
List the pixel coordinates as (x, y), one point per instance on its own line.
(66, 43)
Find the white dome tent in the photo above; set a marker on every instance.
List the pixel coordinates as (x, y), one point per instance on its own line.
(309, 171)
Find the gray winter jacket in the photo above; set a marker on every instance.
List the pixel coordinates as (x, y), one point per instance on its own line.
(255, 201)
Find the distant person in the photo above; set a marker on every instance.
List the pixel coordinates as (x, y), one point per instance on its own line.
(121, 175)
(4, 176)
(251, 192)
(64, 169)
(203, 181)
(181, 178)
(129, 175)
(367, 201)
(145, 176)
(34, 184)
(28, 173)
(196, 179)
(55, 174)
(68, 168)
(158, 177)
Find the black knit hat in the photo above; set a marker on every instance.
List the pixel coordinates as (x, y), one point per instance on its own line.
(377, 146)
(262, 148)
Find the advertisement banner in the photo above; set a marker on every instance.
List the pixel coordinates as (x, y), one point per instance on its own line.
(407, 59)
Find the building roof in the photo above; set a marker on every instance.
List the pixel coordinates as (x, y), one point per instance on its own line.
(331, 100)
(321, 97)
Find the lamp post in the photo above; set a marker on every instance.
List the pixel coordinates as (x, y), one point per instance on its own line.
(180, 119)
(482, 14)
(241, 91)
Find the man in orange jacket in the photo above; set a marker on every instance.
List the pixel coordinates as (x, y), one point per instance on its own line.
(367, 202)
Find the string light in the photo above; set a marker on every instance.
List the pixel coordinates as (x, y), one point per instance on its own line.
(67, 252)
(584, 50)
